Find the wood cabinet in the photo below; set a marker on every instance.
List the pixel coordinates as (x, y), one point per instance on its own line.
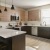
(44, 32)
(34, 15)
(18, 42)
(13, 43)
(22, 15)
(27, 29)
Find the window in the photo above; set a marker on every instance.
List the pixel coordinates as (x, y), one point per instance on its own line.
(45, 16)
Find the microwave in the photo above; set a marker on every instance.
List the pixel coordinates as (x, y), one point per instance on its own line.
(14, 18)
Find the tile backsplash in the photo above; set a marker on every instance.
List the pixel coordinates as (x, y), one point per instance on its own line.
(4, 24)
(33, 22)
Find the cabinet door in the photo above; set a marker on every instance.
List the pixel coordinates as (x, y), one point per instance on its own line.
(18, 42)
(27, 29)
(22, 15)
(44, 32)
(33, 15)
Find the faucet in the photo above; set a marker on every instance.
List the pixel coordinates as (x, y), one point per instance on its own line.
(44, 23)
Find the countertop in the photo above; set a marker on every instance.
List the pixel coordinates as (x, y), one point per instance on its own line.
(44, 26)
(31, 26)
(37, 25)
(6, 33)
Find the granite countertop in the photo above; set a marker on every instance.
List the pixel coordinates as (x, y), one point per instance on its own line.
(44, 26)
(32, 26)
(38, 25)
(6, 33)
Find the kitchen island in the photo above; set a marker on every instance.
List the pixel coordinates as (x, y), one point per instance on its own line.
(14, 40)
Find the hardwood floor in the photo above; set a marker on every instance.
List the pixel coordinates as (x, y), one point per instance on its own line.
(37, 42)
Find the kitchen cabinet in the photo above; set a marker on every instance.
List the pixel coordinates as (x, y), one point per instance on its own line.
(44, 32)
(22, 15)
(16, 28)
(34, 15)
(34, 30)
(18, 42)
(13, 43)
(27, 29)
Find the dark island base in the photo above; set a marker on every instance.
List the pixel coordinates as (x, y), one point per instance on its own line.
(18, 42)
(14, 43)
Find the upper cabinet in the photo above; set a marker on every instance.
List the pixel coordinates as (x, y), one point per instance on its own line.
(34, 15)
(22, 15)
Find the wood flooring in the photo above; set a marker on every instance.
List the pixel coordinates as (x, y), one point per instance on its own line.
(37, 42)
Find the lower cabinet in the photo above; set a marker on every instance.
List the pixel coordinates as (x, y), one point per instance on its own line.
(16, 28)
(18, 42)
(44, 32)
(13, 43)
(27, 29)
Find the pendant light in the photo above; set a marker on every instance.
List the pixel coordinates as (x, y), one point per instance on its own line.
(5, 6)
(0, 11)
(12, 6)
(0, 5)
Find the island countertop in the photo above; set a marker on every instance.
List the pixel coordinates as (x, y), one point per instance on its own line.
(6, 33)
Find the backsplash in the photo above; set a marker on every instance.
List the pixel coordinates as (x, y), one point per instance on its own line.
(5, 24)
(33, 22)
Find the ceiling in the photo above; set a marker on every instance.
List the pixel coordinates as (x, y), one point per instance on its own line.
(27, 3)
